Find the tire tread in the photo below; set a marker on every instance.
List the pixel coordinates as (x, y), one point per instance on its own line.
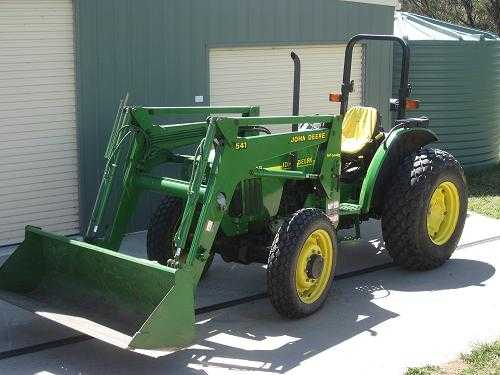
(281, 264)
(400, 220)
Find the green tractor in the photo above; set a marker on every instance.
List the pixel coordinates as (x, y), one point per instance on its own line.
(250, 195)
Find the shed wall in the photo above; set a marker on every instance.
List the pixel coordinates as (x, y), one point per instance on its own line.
(158, 51)
(38, 143)
(458, 84)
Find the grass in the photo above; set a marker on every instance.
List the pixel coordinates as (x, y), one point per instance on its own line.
(484, 191)
(482, 360)
(427, 370)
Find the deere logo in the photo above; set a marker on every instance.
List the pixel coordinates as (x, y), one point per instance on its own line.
(310, 137)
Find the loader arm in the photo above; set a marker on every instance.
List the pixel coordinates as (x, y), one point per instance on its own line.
(149, 148)
(239, 158)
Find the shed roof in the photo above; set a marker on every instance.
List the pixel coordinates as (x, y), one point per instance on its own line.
(411, 26)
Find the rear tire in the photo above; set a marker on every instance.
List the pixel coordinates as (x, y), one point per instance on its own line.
(162, 229)
(424, 209)
(301, 263)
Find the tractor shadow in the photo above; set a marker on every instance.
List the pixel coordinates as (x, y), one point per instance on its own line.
(253, 337)
(264, 341)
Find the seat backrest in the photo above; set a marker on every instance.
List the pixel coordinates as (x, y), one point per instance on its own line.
(358, 128)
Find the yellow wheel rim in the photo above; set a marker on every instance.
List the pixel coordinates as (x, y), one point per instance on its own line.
(443, 212)
(314, 266)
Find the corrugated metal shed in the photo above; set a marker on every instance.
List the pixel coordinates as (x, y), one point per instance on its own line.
(158, 50)
(416, 27)
(455, 72)
(38, 142)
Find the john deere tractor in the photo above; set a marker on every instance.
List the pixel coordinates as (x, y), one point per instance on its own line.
(250, 195)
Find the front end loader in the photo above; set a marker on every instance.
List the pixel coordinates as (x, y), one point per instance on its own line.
(248, 194)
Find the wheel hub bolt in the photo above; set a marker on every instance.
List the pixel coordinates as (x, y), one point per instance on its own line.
(314, 266)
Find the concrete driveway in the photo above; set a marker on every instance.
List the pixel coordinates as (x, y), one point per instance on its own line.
(375, 323)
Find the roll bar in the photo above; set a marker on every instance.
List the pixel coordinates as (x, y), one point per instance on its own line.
(404, 85)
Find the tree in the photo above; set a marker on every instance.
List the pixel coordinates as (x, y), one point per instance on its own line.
(480, 14)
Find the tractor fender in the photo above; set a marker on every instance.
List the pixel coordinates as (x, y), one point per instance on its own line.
(398, 144)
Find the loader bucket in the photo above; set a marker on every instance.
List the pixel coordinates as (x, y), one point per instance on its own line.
(125, 301)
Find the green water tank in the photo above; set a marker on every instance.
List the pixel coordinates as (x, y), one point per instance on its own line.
(455, 72)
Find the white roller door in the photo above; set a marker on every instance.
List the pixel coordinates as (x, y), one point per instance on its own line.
(264, 75)
(38, 150)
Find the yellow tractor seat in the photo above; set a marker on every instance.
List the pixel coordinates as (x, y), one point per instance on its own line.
(358, 129)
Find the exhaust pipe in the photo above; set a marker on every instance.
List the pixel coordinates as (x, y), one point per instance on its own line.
(296, 87)
(295, 100)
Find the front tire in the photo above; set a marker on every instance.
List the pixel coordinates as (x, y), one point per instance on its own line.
(162, 229)
(425, 209)
(301, 263)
